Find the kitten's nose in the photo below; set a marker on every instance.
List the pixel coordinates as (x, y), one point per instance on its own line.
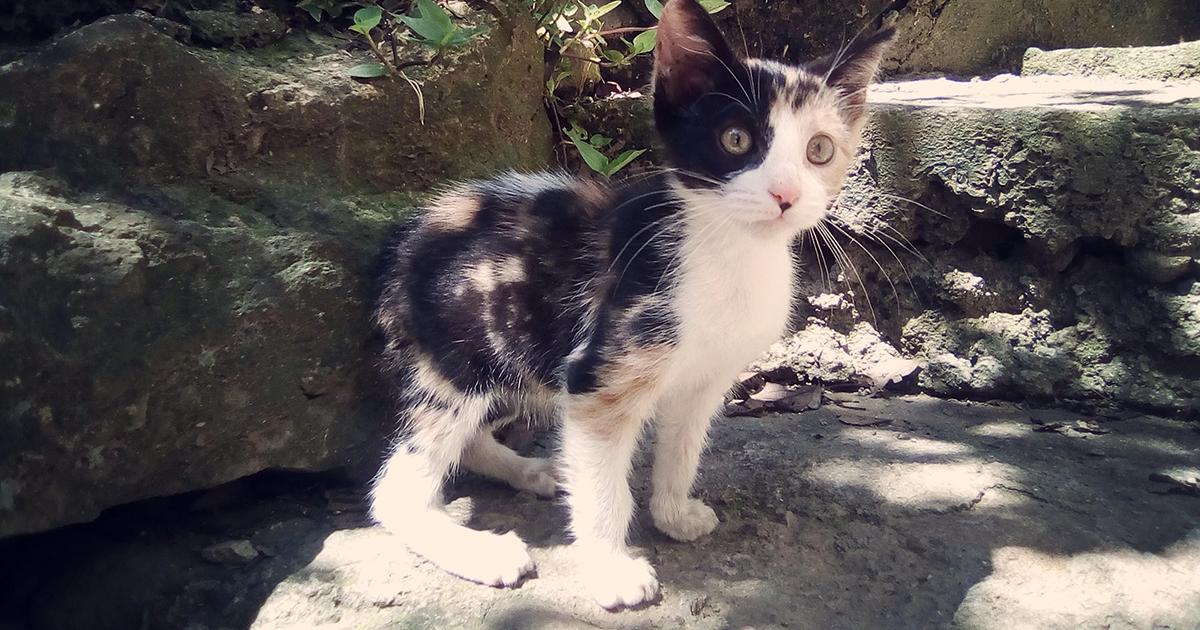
(783, 195)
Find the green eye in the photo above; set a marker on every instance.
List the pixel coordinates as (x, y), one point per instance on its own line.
(736, 140)
(820, 149)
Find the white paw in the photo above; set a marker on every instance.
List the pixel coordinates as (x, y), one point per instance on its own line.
(489, 559)
(538, 478)
(619, 581)
(684, 521)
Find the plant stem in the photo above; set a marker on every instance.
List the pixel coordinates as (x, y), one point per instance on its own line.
(628, 29)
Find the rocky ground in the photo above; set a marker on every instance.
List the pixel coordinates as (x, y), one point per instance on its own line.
(899, 513)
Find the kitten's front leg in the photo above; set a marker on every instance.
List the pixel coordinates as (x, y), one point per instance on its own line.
(600, 436)
(680, 435)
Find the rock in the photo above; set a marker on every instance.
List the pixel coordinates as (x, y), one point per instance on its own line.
(958, 37)
(160, 342)
(103, 116)
(823, 354)
(1166, 63)
(231, 552)
(183, 296)
(228, 28)
(963, 37)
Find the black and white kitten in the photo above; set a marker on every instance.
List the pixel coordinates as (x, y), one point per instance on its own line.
(602, 309)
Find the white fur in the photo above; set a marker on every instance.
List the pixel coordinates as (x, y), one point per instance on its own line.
(406, 498)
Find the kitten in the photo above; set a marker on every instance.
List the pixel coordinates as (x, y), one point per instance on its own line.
(601, 309)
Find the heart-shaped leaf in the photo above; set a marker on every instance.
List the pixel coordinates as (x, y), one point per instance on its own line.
(643, 43)
(367, 18)
(430, 22)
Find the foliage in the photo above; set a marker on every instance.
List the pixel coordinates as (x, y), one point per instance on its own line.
(589, 150)
(573, 30)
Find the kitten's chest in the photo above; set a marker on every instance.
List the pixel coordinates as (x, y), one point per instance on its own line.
(734, 300)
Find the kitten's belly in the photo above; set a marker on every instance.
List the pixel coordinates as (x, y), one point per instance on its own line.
(733, 305)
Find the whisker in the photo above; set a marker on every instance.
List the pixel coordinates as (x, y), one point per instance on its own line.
(844, 259)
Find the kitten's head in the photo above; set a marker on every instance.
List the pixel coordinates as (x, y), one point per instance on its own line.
(767, 141)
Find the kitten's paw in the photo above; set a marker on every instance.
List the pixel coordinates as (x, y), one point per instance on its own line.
(494, 560)
(538, 478)
(684, 521)
(618, 581)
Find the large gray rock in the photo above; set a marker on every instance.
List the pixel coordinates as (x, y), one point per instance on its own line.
(87, 105)
(183, 296)
(959, 37)
(1167, 63)
(174, 341)
(964, 37)
(1058, 220)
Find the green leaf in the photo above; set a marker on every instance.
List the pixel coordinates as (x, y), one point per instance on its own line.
(430, 22)
(614, 56)
(623, 160)
(366, 19)
(714, 6)
(313, 9)
(464, 35)
(593, 158)
(654, 7)
(599, 141)
(602, 11)
(643, 43)
(368, 70)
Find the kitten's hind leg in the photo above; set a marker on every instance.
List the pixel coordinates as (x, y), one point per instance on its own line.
(406, 497)
(490, 458)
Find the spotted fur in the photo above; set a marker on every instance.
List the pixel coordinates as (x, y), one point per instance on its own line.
(602, 308)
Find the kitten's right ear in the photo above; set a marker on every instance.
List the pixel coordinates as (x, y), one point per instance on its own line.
(689, 54)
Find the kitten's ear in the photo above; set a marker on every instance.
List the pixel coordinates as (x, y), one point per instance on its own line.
(853, 69)
(689, 54)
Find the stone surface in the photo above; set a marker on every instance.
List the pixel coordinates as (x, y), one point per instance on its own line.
(1167, 63)
(176, 339)
(229, 28)
(958, 37)
(951, 516)
(965, 37)
(1020, 237)
(183, 288)
(81, 103)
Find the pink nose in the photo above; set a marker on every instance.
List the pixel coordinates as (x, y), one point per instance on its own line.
(783, 195)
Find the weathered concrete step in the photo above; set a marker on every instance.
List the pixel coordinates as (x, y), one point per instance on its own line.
(945, 515)
(1180, 61)
(1059, 222)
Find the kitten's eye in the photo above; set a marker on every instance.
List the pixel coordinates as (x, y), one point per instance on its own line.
(736, 140)
(820, 149)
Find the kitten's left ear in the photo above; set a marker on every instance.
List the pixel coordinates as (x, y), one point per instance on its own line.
(853, 69)
(689, 54)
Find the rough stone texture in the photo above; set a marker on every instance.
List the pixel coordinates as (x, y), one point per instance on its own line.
(86, 105)
(1021, 237)
(1167, 63)
(160, 344)
(183, 294)
(960, 37)
(951, 516)
(965, 37)
(228, 28)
